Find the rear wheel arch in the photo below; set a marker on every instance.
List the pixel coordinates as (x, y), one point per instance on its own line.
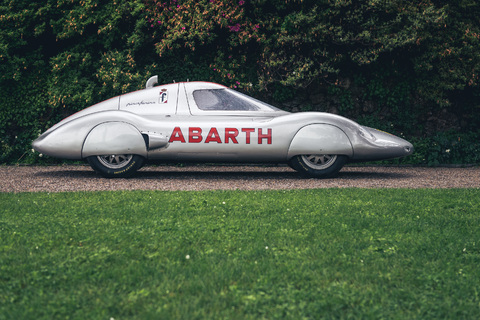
(110, 138)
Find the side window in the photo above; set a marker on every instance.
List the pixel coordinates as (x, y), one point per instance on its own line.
(221, 99)
(207, 100)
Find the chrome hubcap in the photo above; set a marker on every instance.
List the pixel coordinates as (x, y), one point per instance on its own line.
(319, 161)
(115, 161)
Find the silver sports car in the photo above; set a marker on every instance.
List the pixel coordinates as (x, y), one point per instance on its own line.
(207, 122)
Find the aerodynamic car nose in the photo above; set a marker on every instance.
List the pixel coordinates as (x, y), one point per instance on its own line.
(382, 145)
(408, 149)
(41, 145)
(45, 145)
(58, 143)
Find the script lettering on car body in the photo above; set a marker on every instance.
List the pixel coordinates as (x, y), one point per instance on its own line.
(231, 135)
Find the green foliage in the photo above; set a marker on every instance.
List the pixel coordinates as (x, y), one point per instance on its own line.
(58, 57)
(449, 60)
(283, 93)
(385, 62)
(350, 253)
(447, 147)
(218, 33)
(343, 98)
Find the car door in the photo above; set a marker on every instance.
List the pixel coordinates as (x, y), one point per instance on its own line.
(214, 123)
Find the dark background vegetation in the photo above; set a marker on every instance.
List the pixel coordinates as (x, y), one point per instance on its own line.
(407, 67)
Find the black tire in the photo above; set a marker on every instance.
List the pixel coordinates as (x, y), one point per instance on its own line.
(116, 165)
(318, 165)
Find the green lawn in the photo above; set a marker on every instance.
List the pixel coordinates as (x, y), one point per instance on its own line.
(329, 253)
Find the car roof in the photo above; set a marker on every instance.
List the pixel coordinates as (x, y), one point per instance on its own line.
(197, 85)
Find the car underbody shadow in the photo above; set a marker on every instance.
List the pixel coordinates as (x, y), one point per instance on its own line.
(223, 173)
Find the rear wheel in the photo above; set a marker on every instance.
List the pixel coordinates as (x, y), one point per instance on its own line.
(116, 165)
(318, 165)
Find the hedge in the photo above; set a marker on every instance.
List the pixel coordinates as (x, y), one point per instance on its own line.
(407, 67)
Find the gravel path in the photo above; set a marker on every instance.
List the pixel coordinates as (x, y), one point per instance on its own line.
(82, 178)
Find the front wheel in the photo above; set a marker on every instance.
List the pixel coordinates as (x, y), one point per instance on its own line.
(116, 165)
(318, 165)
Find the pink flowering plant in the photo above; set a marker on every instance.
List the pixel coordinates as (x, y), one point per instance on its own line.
(226, 28)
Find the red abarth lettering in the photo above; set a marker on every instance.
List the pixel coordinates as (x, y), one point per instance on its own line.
(213, 136)
(248, 131)
(231, 134)
(267, 136)
(195, 135)
(177, 135)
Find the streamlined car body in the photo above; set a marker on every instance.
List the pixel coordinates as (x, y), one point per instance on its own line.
(207, 122)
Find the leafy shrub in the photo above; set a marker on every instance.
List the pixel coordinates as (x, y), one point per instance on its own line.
(447, 148)
(382, 63)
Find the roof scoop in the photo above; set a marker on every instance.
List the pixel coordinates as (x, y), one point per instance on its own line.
(151, 82)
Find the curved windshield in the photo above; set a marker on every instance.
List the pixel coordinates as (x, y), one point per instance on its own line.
(229, 100)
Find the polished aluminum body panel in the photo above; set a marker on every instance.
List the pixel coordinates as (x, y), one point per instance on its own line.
(322, 137)
(201, 121)
(114, 138)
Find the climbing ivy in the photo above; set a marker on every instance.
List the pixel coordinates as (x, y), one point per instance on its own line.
(411, 67)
